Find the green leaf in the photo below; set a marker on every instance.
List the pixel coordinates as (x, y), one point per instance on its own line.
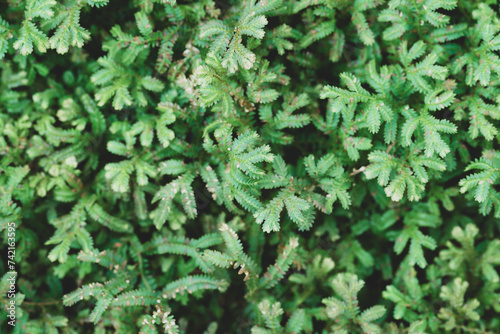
(143, 24)
(119, 174)
(29, 35)
(269, 215)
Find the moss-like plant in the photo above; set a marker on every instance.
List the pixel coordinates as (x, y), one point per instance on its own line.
(250, 166)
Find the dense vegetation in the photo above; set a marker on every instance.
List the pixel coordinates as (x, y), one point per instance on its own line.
(257, 166)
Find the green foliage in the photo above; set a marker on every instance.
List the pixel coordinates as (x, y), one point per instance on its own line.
(229, 40)
(346, 310)
(483, 182)
(257, 166)
(457, 309)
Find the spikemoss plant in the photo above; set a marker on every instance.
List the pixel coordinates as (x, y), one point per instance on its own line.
(250, 166)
